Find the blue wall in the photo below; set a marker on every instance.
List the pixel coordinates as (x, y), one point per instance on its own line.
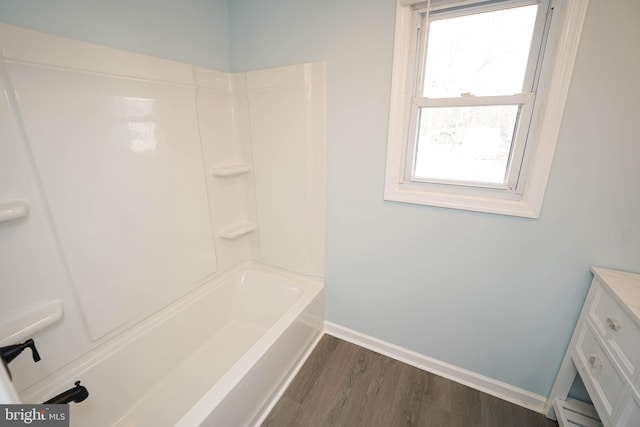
(194, 31)
(494, 294)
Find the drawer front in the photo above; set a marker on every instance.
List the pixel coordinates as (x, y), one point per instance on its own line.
(600, 374)
(630, 411)
(620, 331)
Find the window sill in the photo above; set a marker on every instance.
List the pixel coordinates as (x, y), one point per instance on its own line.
(487, 204)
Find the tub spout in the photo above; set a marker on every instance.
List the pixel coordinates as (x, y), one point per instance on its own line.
(76, 394)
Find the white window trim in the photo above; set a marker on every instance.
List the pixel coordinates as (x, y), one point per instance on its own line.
(566, 29)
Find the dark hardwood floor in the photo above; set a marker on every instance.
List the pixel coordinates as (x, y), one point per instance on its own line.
(342, 384)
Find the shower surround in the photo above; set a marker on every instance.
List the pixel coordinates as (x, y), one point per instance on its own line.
(142, 182)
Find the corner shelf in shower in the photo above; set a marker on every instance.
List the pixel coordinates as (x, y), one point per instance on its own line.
(13, 209)
(28, 321)
(237, 230)
(230, 170)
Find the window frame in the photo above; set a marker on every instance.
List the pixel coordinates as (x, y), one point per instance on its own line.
(421, 21)
(518, 198)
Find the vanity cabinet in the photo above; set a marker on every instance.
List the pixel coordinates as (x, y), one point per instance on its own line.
(605, 351)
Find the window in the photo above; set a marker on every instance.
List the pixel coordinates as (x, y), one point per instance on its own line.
(477, 95)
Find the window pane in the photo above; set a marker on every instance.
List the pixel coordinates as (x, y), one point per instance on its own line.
(465, 143)
(482, 54)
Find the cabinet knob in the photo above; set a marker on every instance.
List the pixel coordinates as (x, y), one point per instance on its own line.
(613, 324)
(595, 362)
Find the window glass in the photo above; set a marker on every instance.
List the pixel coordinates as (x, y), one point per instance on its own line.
(482, 54)
(465, 143)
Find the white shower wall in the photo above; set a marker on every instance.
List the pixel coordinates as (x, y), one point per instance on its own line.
(146, 177)
(287, 105)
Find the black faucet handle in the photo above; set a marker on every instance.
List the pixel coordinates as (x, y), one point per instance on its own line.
(32, 345)
(10, 352)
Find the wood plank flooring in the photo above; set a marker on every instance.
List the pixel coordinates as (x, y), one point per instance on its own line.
(342, 384)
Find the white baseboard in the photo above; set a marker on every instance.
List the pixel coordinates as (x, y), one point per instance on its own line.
(518, 396)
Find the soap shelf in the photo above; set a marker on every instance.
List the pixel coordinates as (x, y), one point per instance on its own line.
(14, 209)
(230, 170)
(237, 230)
(29, 321)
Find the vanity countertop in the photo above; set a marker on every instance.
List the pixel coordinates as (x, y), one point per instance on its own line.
(624, 286)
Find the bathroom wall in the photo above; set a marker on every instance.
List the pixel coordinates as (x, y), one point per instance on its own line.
(145, 177)
(193, 31)
(494, 294)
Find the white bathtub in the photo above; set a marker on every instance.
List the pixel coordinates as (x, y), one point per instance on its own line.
(217, 357)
